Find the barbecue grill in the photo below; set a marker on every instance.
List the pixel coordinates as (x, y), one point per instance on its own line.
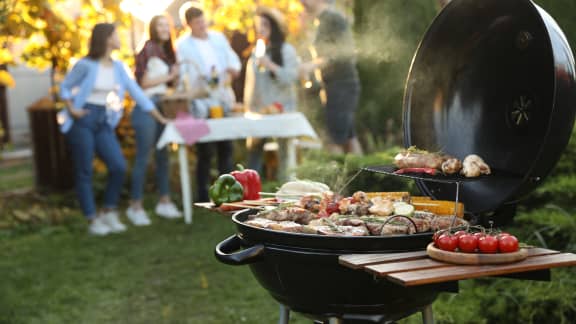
(490, 77)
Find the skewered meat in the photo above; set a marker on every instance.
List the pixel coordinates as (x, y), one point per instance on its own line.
(407, 159)
(474, 166)
(381, 207)
(451, 166)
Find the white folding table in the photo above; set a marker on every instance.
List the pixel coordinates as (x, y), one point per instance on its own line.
(287, 125)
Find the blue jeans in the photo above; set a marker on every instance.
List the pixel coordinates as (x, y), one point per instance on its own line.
(88, 135)
(148, 131)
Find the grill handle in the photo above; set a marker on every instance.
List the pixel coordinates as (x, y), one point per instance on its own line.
(225, 252)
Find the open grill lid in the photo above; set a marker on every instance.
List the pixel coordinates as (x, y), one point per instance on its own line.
(494, 78)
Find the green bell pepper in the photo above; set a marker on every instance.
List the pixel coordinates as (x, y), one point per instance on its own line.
(226, 189)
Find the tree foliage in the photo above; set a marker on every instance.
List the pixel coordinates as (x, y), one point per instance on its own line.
(52, 31)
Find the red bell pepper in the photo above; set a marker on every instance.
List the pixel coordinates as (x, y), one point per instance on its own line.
(250, 181)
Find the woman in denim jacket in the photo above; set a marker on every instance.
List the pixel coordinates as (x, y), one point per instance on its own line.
(156, 69)
(93, 92)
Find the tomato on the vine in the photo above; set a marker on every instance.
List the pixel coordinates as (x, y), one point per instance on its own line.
(460, 233)
(508, 243)
(467, 243)
(447, 242)
(488, 244)
(479, 234)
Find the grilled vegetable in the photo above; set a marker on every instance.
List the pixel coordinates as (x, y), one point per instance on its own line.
(225, 189)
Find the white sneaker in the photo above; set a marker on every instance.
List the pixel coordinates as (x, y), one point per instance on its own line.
(111, 220)
(167, 210)
(98, 227)
(138, 217)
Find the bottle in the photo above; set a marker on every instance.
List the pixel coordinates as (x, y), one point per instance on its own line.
(214, 80)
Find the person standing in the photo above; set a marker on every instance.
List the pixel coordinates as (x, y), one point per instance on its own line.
(93, 92)
(209, 62)
(156, 70)
(271, 80)
(334, 46)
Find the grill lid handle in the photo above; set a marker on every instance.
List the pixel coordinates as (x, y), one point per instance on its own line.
(225, 252)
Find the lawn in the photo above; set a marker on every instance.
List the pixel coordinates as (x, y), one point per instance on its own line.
(165, 273)
(52, 271)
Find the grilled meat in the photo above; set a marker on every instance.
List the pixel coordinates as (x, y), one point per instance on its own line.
(451, 166)
(295, 214)
(407, 159)
(474, 166)
(381, 207)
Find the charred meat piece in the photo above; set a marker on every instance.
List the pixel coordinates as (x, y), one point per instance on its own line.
(295, 214)
(259, 222)
(474, 166)
(311, 203)
(451, 166)
(407, 159)
(359, 196)
(286, 226)
(445, 222)
(339, 230)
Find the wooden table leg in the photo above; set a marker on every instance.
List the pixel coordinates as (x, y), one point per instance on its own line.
(185, 183)
(284, 315)
(427, 315)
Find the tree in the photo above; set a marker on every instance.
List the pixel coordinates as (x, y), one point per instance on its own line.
(55, 31)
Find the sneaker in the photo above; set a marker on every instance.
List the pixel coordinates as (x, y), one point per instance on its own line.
(98, 227)
(111, 220)
(138, 217)
(167, 210)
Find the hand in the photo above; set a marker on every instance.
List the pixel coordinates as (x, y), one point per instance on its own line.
(175, 71)
(78, 113)
(265, 62)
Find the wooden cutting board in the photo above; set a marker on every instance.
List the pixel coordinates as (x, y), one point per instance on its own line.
(475, 258)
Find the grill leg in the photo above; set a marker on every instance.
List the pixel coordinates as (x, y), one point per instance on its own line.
(427, 315)
(284, 315)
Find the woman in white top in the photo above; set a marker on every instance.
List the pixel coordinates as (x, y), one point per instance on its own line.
(93, 91)
(156, 70)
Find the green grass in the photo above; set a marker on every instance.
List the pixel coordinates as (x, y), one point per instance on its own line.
(16, 175)
(165, 273)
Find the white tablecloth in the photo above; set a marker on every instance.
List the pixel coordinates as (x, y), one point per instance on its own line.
(233, 128)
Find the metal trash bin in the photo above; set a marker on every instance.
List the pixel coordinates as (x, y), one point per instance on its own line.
(53, 167)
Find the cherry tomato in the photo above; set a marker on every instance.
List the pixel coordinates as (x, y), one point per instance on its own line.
(488, 244)
(508, 243)
(467, 243)
(437, 235)
(460, 233)
(332, 207)
(479, 235)
(447, 242)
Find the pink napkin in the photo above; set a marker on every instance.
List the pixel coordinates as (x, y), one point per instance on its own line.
(190, 128)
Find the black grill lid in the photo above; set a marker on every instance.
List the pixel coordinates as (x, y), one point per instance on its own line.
(493, 78)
